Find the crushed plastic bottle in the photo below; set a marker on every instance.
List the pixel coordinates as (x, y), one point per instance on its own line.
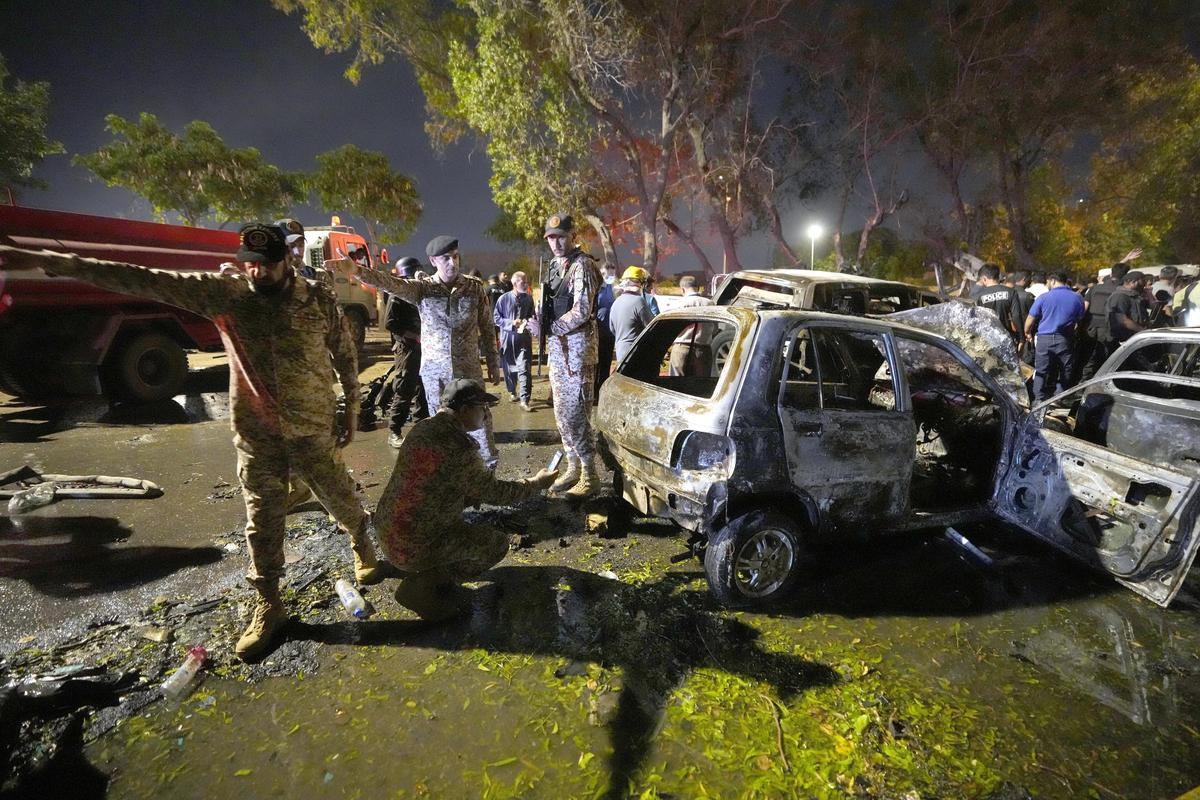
(181, 679)
(351, 599)
(34, 497)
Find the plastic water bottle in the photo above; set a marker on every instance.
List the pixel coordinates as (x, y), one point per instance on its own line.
(179, 681)
(34, 497)
(351, 599)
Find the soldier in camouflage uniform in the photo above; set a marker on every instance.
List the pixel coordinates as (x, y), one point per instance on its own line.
(456, 327)
(279, 333)
(572, 345)
(439, 473)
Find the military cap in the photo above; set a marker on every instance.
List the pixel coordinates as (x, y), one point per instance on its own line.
(560, 224)
(408, 266)
(465, 391)
(262, 243)
(440, 246)
(291, 228)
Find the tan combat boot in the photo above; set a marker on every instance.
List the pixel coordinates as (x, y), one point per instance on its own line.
(266, 619)
(366, 566)
(589, 482)
(569, 476)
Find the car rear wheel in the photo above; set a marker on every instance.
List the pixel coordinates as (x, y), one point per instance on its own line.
(755, 559)
(148, 366)
(722, 343)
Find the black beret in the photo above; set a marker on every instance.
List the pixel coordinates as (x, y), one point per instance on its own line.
(440, 245)
(560, 224)
(465, 391)
(262, 243)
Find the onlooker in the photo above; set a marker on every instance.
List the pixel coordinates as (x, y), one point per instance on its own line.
(629, 314)
(506, 282)
(1185, 306)
(1161, 293)
(1095, 340)
(691, 353)
(1054, 316)
(992, 294)
(1168, 280)
(604, 300)
(403, 322)
(514, 315)
(1023, 302)
(648, 292)
(1038, 286)
(1127, 312)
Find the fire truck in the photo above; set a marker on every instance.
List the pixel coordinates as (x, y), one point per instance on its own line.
(63, 337)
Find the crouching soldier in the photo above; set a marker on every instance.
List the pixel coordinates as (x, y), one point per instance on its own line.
(279, 332)
(438, 473)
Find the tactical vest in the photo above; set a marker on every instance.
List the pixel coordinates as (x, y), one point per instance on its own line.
(562, 295)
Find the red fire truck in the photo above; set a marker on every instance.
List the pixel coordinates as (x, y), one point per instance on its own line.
(61, 336)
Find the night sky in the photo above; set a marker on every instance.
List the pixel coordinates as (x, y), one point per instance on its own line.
(250, 71)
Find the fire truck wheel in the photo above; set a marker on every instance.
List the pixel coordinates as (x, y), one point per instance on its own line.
(149, 366)
(358, 326)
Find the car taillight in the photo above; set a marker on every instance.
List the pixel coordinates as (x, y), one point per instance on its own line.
(697, 450)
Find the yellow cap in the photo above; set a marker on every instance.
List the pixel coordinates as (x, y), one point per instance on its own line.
(635, 274)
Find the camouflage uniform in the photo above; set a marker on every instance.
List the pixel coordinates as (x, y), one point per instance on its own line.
(573, 350)
(456, 328)
(280, 388)
(438, 473)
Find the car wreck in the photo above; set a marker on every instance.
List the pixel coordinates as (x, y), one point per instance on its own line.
(819, 426)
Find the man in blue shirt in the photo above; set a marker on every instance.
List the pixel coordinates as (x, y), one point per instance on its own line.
(1054, 315)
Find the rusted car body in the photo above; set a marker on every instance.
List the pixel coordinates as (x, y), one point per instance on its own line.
(819, 425)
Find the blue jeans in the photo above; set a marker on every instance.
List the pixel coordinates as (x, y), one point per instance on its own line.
(1053, 364)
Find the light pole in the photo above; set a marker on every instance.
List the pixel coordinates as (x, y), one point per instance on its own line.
(814, 232)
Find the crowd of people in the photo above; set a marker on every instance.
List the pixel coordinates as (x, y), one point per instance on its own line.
(1066, 331)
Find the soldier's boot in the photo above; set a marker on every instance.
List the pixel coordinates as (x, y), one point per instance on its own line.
(569, 477)
(589, 482)
(366, 566)
(298, 495)
(432, 596)
(267, 618)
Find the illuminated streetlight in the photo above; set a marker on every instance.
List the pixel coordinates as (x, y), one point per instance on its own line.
(814, 232)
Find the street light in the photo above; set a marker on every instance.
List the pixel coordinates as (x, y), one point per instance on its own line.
(814, 232)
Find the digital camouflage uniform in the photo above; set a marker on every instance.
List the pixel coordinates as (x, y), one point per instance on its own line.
(438, 473)
(280, 388)
(456, 329)
(572, 351)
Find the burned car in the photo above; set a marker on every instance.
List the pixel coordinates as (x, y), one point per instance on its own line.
(821, 426)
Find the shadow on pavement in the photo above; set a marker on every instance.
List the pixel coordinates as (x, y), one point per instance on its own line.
(656, 633)
(87, 561)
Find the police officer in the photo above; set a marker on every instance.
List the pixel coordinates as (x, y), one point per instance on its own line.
(572, 345)
(403, 322)
(280, 332)
(1095, 341)
(439, 473)
(456, 326)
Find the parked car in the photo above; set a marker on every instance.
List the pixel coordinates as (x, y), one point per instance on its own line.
(818, 290)
(821, 426)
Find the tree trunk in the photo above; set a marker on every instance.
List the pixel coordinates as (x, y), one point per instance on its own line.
(606, 239)
(650, 248)
(1012, 187)
(701, 256)
(777, 232)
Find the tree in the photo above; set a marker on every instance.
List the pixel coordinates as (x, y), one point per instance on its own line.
(194, 175)
(23, 142)
(363, 183)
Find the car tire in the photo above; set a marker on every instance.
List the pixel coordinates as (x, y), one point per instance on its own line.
(756, 559)
(358, 327)
(722, 344)
(147, 367)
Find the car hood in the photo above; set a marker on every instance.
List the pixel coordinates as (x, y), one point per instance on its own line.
(979, 333)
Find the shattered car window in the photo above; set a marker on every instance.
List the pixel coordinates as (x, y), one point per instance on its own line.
(676, 354)
(830, 368)
(1180, 359)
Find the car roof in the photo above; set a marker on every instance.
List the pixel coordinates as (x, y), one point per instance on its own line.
(746, 315)
(811, 276)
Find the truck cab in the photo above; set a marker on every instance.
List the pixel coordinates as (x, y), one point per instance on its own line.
(359, 303)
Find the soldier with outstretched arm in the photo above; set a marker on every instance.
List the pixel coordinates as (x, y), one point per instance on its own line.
(285, 338)
(456, 327)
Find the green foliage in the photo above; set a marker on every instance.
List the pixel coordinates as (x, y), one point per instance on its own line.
(363, 183)
(23, 141)
(194, 175)
(894, 259)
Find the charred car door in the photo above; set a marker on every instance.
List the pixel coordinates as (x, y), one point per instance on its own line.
(1120, 488)
(849, 452)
